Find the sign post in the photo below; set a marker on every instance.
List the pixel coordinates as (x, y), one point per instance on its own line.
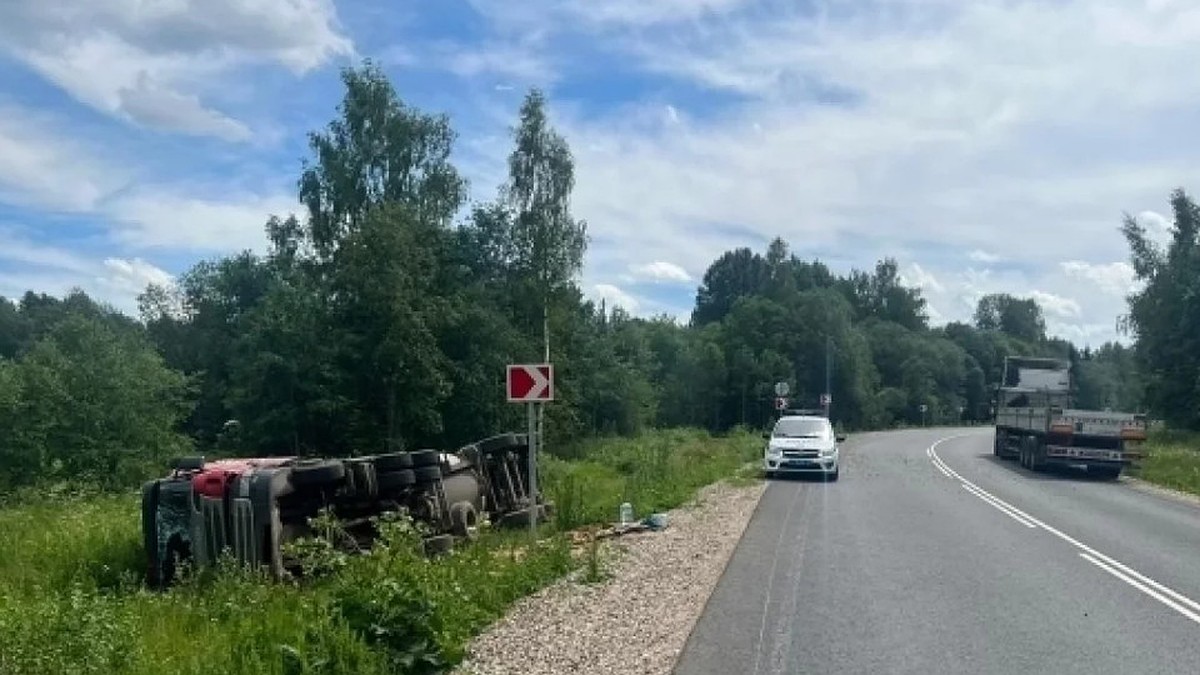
(533, 385)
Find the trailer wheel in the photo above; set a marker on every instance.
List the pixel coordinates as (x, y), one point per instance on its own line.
(425, 458)
(396, 461)
(392, 481)
(501, 442)
(318, 474)
(1037, 455)
(427, 474)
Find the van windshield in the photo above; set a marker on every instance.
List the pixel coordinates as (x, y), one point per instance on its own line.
(799, 428)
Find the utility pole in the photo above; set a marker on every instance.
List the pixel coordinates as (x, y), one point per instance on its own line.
(828, 376)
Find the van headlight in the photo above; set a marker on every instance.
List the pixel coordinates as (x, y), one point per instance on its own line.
(828, 452)
(774, 453)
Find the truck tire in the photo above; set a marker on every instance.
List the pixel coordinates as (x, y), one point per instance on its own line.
(497, 443)
(395, 461)
(392, 481)
(318, 474)
(1037, 455)
(1105, 472)
(427, 474)
(998, 445)
(425, 458)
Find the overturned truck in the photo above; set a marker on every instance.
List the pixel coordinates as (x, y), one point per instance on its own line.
(250, 508)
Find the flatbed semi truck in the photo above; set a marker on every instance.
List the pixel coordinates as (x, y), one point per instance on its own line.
(1036, 424)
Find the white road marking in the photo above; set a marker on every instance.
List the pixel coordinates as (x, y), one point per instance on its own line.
(1143, 588)
(999, 506)
(1169, 597)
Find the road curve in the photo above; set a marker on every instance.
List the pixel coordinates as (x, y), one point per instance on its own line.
(931, 556)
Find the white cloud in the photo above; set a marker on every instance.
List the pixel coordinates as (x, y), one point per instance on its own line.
(887, 128)
(42, 166)
(145, 61)
(160, 108)
(1056, 305)
(131, 276)
(610, 14)
(918, 277)
(518, 62)
(615, 297)
(660, 270)
(175, 220)
(45, 268)
(1113, 278)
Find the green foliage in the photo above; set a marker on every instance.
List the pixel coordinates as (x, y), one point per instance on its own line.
(1172, 460)
(1165, 312)
(90, 403)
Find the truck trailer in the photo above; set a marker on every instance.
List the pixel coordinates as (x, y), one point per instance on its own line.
(1036, 424)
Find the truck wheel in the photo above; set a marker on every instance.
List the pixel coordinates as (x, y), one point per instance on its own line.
(998, 445)
(396, 461)
(396, 480)
(1037, 455)
(319, 474)
(427, 474)
(426, 458)
(496, 443)
(1105, 472)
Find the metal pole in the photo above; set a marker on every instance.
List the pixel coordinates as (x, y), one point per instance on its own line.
(828, 376)
(534, 442)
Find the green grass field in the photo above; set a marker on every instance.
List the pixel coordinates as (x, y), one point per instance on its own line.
(71, 599)
(1172, 460)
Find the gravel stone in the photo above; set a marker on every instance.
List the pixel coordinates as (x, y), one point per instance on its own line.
(638, 620)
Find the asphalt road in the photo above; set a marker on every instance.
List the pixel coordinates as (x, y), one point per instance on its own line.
(931, 556)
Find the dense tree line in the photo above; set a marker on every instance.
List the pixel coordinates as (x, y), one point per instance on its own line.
(377, 320)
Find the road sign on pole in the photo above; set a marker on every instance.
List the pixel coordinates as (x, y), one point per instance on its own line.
(530, 383)
(533, 385)
(782, 389)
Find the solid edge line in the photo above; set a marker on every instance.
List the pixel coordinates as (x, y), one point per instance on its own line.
(1143, 588)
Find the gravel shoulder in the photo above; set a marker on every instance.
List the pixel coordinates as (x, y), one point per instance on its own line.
(636, 621)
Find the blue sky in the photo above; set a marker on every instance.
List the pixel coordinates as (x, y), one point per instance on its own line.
(989, 146)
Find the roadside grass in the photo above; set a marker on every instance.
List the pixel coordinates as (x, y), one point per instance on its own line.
(71, 598)
(1172, 460)
(654, 472)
